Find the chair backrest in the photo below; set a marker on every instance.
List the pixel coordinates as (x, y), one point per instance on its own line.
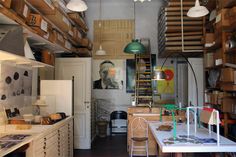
(118, 115)
(139, 127)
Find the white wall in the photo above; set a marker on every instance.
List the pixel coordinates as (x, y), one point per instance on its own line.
(146, 27)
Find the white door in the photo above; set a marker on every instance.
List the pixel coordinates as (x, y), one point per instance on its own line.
(197, 64)
(80, 68)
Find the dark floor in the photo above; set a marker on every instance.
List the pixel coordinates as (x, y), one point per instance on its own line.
(113, 146)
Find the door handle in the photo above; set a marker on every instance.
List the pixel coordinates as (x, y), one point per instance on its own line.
(87, 102)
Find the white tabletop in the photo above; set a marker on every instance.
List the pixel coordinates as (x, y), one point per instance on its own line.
(226, 145)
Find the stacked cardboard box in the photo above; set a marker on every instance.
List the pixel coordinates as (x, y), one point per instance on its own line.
(21, 8)
(44, 6)
(6, 3)
(37, 22)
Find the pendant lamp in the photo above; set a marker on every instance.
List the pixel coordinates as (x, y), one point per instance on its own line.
(100, 51)
(135, 47)
(197, 10)
(77, 5)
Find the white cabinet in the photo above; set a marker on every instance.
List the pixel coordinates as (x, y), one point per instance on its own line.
(55, 142)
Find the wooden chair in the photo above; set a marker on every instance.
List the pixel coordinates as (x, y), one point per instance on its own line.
(139, 136)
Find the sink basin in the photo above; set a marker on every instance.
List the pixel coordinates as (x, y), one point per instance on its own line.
(146, 114)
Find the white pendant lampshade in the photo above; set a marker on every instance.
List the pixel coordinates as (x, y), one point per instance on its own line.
(77, 5)
(197, 10)
(100, 51)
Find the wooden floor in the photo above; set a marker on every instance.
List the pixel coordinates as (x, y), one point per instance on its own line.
(114, 146)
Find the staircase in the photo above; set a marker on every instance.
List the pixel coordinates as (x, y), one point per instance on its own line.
(143, 85)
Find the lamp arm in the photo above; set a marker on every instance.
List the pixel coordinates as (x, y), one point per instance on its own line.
(191, 67)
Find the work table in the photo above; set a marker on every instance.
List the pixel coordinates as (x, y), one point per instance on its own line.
(152, 114)
(42, 136)
(168, 146)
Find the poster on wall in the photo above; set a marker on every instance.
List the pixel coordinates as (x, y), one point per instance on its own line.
(15, 84)
(166, 86)
(108, 74)
(130, 75)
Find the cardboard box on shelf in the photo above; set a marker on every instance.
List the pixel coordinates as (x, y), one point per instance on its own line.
(6, 3)
(60, 21)
(37, 22)
(228, 104)
(58, 38)
(49, 35)
(43, 6)
(48, 57)
(209, 39)
(78, 20)
(227, 75)
(209, 60)
(228, 87)
(223, 19)
(21, 8)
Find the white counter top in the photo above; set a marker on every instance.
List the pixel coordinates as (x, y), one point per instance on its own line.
(34, 132)
(226, 145)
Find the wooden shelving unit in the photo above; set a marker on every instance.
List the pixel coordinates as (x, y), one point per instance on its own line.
(9, 16)
(223, 60)
(177, 32)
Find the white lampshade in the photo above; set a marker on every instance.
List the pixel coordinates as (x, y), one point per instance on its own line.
(100, 52)
(77, 5)
(197, 10)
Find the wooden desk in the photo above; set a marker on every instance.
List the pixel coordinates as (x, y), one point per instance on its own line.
(226, 145)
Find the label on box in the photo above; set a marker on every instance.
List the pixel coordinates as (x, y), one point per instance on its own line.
(209, 44)
(60, 37)
(68, 45)
(44, 25)
(49, 3)
(71, 33)
(46, 36)
(25, 11)
(218, 62)
(66, 20)
(218, 18)
(79, 35)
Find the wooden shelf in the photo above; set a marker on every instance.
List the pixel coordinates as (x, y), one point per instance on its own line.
(20, 60)
(229, 3)
(10, 17)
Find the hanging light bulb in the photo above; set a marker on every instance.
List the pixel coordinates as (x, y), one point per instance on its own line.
(100, 51)
(77, 5)
(135, 46)
(197, 10)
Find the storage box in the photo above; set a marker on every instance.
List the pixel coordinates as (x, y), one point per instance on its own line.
(58, 38)
(21, 8)
(223, 19)
(228, 104)
(60, 21)
(49, 34)
(48, 57)
(44, 6)
(227, 75)
(78, 20)
(228, 87)
(209, 60)
(6, 3)
(37, 22)
(209, 39)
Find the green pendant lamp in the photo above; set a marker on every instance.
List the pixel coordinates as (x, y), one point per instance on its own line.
(135, 47)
